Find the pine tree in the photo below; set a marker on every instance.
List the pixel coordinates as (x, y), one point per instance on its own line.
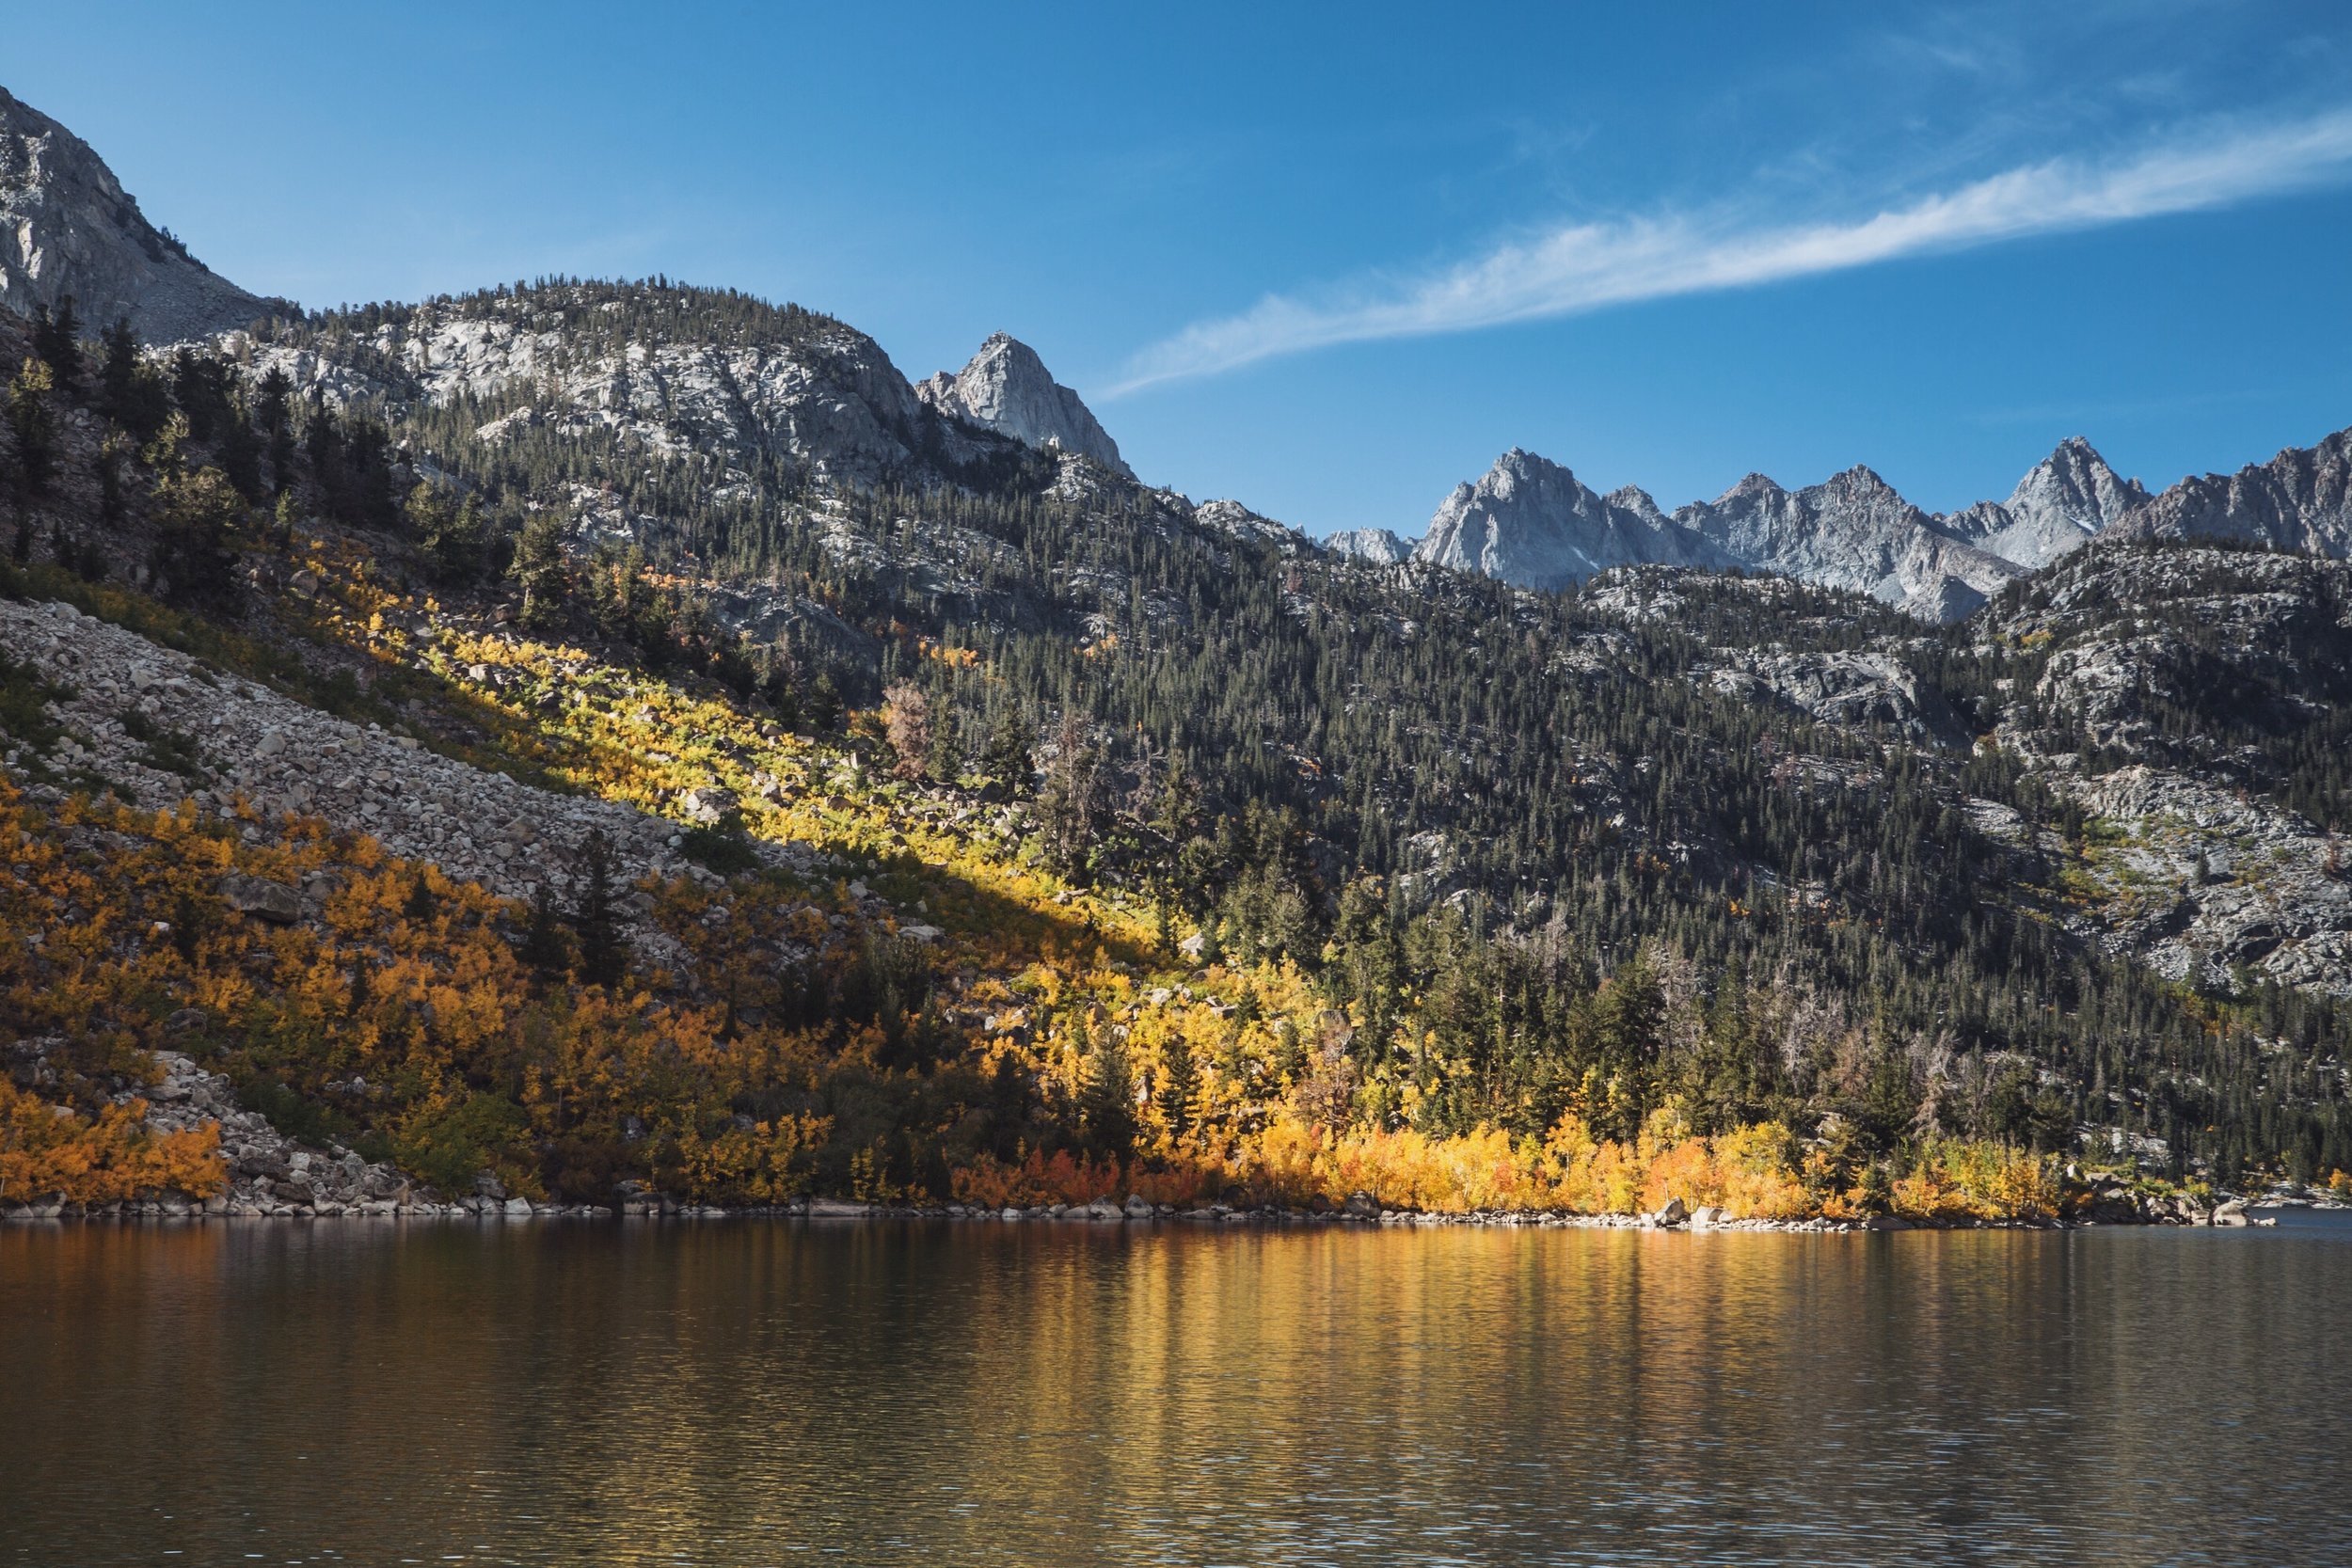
(1005, 758)
(57, 340)
(824, 706)
(1106, 1099)
(35, 425)
(129, 392)
(541, 571)
(1179, 1085)
(543, 947)
(597, 918)
(1070, 804)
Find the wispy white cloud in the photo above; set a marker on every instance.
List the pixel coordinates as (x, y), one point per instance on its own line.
(1587, 266)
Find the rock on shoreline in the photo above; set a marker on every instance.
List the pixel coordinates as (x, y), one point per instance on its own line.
(248, 1203)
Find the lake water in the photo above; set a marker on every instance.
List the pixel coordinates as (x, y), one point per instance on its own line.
(758, 1392)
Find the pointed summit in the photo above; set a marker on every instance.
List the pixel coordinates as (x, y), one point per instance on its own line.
(2063, 500)
(2068, 496)
(1532, 522)
(1008, 389)
(67, 227)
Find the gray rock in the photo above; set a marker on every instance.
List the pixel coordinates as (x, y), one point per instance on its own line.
(1529, 521)
(68, 227)
(1379, 545)
(1006, 388)
(265, 901)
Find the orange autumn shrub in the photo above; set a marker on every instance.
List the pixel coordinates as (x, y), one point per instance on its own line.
(53, 1151)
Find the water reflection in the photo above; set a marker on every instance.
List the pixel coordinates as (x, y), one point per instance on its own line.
(1066, 1394)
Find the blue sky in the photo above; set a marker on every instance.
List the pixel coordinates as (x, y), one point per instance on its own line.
(1330, 259)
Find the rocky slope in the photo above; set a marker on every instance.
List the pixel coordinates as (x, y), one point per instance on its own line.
(2193, 703)
(615, 365)
(232, 741)
(1006, 387)
(68, 228)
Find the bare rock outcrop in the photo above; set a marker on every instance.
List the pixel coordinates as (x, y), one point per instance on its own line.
(1006, 387)
(68, 228)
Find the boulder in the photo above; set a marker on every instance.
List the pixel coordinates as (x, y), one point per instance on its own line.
(1672, 1213)
(1707, 1216)
(1136, 1207)
(707, 807)
(264, 900)
(2232, 1212)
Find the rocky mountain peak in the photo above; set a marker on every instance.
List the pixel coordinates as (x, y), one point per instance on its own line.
(1382, 547)
(68, 228)
(1633, 498)
(1862, 483)
(1006, 387)
(1530, 520)
(2075, 486)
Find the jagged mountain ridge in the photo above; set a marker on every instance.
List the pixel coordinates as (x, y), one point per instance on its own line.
(69, 229)
(1006, 387)
(1854, 532)
(1531, 522)
(2299, 500)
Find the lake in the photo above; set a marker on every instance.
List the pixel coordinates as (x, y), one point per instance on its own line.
(928, 1392)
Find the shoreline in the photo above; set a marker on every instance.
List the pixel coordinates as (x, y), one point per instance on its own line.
(2233, 1214)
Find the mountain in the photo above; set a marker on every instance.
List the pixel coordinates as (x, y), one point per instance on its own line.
(2064, 501)
(675, 372)
(2300, 499)
(1851, 531)
(1529, 522)
(1532, 522)
(620, 740)
(68, 228)
(1006, 388)
(1380, 546)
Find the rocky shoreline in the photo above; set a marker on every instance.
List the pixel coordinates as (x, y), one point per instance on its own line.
(1358, 1211)
(272, 1176)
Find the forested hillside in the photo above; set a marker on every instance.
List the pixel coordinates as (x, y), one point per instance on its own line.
(1003, 827)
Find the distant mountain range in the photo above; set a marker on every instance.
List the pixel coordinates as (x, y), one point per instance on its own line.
(834, 405)
(1529, 521)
